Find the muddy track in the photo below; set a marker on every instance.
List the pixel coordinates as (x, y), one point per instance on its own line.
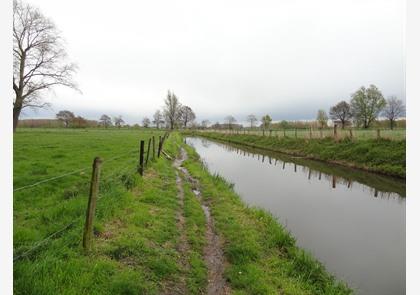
(213, 253)
(180, 287)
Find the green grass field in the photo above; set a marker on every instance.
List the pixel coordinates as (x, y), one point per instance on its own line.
(135, 230)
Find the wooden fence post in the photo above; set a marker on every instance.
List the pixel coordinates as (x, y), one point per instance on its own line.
(148, 150)
(351, 133)
(310, 132)
(153, 147)
(263, 132)
(159, 147)
(270, 132)
(284, 132)
(320, 133)
(335, 132)
(295, 132)
(141, 158)
(378, 133)
(90, 212)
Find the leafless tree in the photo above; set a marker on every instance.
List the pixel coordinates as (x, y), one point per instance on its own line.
(118, 121)
(66, 117)
(205, 123)
(252, 119)
(230, 120)
(186, 115)
(105, 120)
(146, 122)
(394, 109)
(158, 119)
(39, 59)
(322, 118)
(342, 112)
(171, 110)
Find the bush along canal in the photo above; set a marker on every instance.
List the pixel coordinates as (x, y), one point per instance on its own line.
(352, 221)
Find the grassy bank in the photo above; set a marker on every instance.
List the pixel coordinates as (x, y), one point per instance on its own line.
(375, 155)
(135, 249)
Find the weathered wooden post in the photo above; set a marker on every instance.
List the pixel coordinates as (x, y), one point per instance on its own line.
(153, 147)
(284, 132)
(351, 133)
(320, 133)
(295, 132)
(141, 158)
(378, 133)
(263, 132)
(310, 132)
(148, 150)
(159, 146)
(334, 181)
(93, 195)
(270, 132)
(335, 132)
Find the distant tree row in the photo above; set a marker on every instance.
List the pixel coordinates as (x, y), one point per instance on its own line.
(365, 106)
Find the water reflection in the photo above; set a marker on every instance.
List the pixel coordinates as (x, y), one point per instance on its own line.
(377, 185)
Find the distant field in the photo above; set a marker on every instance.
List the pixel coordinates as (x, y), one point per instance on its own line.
(361, 134)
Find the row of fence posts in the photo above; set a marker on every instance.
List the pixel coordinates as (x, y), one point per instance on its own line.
(336, 136)
(94, 183)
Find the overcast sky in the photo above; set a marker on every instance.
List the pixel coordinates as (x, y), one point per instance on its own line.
(287, 58)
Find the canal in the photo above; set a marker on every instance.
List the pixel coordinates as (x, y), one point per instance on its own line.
(352, 221)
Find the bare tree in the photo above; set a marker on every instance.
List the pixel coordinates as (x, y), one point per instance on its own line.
(171, 110)
(266, 121)
(39, 59)
(186, 115)
(366, 104)
(252, 119)
(146, 122)
(105, 120)
(205, 123)
(158, 119)
(394, 109)
(118, 121)
(230, 120)
(342, 112)
(322, 118)
(66, 117)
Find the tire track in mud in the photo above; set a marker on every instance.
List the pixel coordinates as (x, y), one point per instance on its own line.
(213, 253)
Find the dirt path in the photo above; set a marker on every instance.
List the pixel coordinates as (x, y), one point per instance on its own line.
(182, 247)
(213, 253)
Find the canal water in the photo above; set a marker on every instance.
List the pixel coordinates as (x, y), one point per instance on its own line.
(350, 220)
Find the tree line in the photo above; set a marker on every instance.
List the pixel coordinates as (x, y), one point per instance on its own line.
(363, 110)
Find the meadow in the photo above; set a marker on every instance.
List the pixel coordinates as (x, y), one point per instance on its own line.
(136, 228)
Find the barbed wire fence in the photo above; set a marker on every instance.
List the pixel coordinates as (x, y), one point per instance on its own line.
(142, 162)
(317, 133)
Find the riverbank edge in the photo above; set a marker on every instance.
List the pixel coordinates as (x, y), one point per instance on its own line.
(238, 139)
(262, 255)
